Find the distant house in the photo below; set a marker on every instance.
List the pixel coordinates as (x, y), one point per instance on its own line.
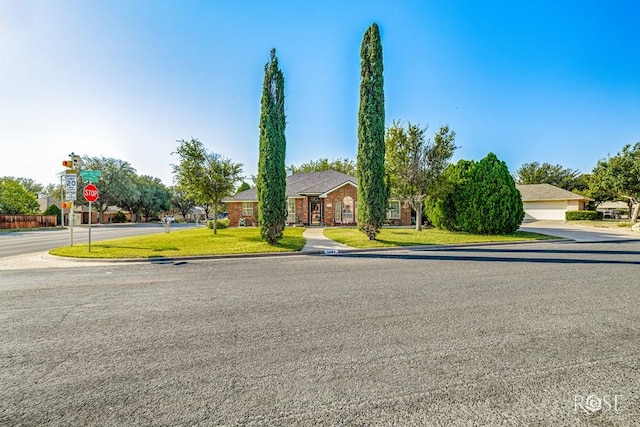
(546, 201)
(313, 198)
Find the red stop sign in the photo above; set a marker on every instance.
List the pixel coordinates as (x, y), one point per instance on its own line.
(91, 193)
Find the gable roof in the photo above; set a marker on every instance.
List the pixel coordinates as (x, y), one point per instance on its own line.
(539, 192)
(302, 184)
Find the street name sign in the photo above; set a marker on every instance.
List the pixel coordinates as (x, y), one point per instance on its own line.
(90, 175)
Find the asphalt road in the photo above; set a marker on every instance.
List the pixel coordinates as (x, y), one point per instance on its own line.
(529, 334)
(28, 242)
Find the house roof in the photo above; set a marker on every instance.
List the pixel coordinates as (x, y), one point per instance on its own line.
(302, 184)
(539, 192)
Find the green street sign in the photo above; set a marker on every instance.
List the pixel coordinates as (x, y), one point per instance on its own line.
(90, 175)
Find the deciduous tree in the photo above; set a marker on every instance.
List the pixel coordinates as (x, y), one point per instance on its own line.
(619, 177)
(345, 166)
(204, 175)
(243, 187)
(15, 199)
(154, 198)
(181, 201)
(545, 173)
(414, 163)
(117, 182)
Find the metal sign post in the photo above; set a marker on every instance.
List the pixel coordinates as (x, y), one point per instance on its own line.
(71, 225)
(89, 226)
(91, 195)
(71, 188)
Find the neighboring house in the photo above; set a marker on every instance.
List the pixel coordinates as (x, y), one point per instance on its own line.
(612, 209)
(45, 201)
(546, 201)
(107, 216)
(313, 198)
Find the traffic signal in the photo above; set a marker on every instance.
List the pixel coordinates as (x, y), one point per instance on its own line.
(66, 205)
(77, 161)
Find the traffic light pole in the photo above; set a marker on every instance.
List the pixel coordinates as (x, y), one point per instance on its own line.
(71, 223)
(89, 226)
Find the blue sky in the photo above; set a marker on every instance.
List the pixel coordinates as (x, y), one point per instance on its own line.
(546, 81)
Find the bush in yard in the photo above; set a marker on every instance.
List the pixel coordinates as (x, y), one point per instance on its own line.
(479, 198)
(583, 215)
(441, 207)
(491, 203)
(222, 223)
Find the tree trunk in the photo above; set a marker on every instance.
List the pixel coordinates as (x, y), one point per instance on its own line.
(636, 211)
(215, 218)
(419, 217)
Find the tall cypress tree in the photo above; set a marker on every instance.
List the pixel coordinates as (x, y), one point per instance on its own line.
(372, 187)
(272, 175)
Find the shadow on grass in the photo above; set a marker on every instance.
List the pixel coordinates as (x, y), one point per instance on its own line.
(403, 242)
(135, 248)
(292, 243)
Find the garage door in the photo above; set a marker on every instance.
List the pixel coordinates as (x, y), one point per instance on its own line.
(545, 210)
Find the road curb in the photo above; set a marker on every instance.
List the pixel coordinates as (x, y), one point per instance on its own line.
(330, 252)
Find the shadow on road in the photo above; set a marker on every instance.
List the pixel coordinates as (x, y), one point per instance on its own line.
(562, 256)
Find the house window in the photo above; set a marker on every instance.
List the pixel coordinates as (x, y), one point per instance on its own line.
(347, 209)
(247, 208)
(291, 210)
(394, 210)
(337, 213)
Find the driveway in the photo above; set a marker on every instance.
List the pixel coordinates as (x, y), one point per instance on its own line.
(580, 233)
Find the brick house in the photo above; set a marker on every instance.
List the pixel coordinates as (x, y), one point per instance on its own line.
(313, 198)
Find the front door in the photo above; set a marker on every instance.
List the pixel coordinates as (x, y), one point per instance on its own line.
(316, 211)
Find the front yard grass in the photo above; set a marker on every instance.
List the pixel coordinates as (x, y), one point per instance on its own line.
(194, 242)
(604, 223)
(389, 237)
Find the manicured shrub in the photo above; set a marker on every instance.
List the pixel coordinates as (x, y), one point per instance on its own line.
(222, 223)
(490, 201)
(583, 215)
(479, 198)
(441, 206)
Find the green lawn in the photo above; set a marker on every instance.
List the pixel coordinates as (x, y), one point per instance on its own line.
(202, 241)
(430, 236)
(192, 242)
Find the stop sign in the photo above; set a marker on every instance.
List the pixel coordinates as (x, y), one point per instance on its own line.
(91, 193)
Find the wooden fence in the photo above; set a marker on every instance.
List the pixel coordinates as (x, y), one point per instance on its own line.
(28, 221)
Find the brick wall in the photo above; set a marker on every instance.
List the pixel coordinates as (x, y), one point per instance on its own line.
(335, 196)
(405, 214)
(235, 214)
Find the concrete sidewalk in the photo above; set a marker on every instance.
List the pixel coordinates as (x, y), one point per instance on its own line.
(317, 242)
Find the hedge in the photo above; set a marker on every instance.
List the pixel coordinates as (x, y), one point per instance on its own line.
(583, 215)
